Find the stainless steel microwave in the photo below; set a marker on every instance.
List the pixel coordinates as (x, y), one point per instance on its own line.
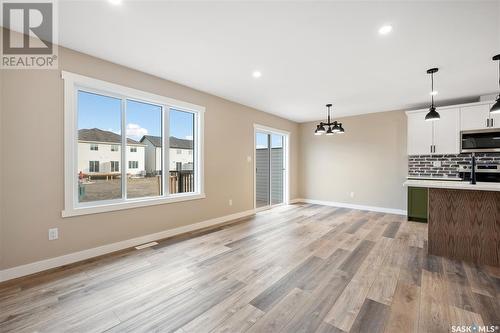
(487, 140)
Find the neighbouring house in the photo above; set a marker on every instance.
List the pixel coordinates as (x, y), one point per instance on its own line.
(180, 153)
(99, 153)
(263, 175)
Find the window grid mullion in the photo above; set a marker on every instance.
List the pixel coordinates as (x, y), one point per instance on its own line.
(124, 148)
(166, 151)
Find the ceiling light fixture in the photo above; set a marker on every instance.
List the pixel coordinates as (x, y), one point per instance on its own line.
(496, 107)
(115, 2)
(384, 30)
(333, 127)
(256, 74)
(433, 114)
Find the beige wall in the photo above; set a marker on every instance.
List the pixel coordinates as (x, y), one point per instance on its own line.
(32, 141)
(369, 160)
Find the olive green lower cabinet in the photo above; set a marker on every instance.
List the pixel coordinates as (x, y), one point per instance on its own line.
(418, 204)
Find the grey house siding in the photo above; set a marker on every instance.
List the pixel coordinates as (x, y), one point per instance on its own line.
(262, 175)
(277, 175)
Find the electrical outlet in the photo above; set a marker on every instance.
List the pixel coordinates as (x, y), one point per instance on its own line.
(351, 194)
(437, 164)
(53, 233)
(230, 202)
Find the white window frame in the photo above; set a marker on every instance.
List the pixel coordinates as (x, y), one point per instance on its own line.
(75, 82)
(286, 163)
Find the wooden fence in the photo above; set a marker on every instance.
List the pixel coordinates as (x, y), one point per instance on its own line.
(181, 181)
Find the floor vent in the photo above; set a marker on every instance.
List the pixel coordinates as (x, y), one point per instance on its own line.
(143, 246)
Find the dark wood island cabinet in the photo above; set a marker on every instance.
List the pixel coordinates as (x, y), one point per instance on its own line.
(464, 221)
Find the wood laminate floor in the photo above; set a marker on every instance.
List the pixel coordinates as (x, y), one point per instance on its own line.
(298, 268)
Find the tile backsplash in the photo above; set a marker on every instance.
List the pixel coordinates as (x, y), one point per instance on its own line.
(423, 165)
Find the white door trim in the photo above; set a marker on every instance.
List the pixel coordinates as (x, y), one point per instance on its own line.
(286, 145)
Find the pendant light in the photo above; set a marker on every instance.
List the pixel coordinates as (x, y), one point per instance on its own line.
(496, 107)
(432, 115)
(333, 127)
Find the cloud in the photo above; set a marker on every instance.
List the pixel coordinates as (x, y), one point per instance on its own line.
(135, 131)
(188, 137)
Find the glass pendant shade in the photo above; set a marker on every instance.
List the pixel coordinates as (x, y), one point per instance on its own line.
(336, 128)
(341, 129)
(317, 131)
(432, 115)
(329, 132)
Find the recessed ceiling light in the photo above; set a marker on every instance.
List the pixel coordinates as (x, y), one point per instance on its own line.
(115, 2)
(256, 74)
(384, 30)
(433, 93)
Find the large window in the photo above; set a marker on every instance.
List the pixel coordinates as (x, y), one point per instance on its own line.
(115, 166)
(182, 165)
(148, 128)
(93, 166)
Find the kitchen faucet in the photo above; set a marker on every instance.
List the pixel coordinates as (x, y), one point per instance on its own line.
(473, 169)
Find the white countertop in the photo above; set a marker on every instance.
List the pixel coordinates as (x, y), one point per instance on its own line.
(452, 184)
(433, 178)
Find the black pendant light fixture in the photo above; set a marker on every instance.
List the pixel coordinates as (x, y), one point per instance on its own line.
(496, 107)
(333, 127)
(432, 115)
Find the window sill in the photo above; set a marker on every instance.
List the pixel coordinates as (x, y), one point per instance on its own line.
(130, 204)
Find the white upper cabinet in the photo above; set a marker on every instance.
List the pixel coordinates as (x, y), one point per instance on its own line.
(434, 137)
(419, 134)
(443, 136)
(446, 138)
(476, 117)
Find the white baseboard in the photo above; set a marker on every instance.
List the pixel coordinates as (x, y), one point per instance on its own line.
(353, 206)
(42, 265)
(293, 201)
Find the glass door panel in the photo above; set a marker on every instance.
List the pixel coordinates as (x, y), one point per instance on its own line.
(262, 160)
(277, 169)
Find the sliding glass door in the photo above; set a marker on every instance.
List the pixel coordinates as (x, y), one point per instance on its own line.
(269, 168)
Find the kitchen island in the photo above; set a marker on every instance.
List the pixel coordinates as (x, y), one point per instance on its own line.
(464, 220)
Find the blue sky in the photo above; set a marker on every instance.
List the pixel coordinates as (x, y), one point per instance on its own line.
(97, 111)
(261, 140)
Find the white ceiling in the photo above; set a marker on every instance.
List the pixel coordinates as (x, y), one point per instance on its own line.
(309, 53)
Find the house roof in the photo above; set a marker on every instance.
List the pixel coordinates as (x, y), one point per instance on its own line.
(174, 142)
(99, 135)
